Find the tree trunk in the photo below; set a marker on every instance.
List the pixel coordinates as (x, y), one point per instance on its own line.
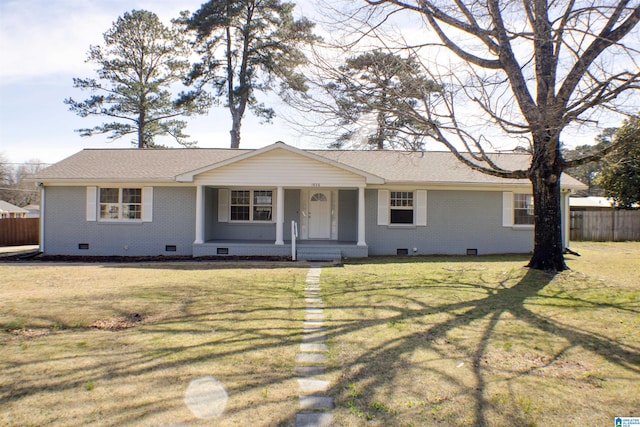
(235, 130)
(548, 250)
(141, 121)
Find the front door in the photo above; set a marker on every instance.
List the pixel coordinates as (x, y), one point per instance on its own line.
(320, 215)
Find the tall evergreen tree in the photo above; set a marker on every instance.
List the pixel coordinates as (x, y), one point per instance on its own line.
(384, 88)
(138, 65)
(248, 46)
(620, 176)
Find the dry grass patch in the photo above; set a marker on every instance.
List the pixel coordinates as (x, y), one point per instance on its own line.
(460, 341)
(119, 344)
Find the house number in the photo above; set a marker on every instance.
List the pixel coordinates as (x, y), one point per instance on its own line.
(315, 184)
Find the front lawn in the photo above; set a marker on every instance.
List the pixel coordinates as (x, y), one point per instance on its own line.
(455, 341)
(465, 342)
(119, 344)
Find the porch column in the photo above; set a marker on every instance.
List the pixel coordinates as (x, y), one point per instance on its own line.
(280, 216)
(199, 215)
(361, 218)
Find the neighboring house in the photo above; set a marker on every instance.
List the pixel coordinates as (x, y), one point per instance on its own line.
(220, 202)
(591, 203)
(33, 211)
(7, 210)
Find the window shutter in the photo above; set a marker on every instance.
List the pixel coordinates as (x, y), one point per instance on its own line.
(147, 204)
(421, 207)
(92, 198)
(223, 205)
(383, 207)
(507, 209)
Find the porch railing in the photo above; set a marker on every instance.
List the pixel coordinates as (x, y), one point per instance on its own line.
(294, 236)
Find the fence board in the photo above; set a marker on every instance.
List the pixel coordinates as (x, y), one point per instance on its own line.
(605, 226)
(19, 231)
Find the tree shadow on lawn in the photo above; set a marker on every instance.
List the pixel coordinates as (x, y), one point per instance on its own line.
(250, 336)
(231, 343)
(376, 369)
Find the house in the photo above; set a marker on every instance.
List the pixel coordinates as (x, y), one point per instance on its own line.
(220, 202)
(33, 211)
(8, 210)
(591, 203)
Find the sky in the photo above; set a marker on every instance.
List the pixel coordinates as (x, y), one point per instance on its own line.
(44, 45)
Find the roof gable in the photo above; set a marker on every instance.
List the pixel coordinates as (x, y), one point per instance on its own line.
(287, 153)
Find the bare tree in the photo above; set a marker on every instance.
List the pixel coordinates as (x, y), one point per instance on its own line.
(532, 69)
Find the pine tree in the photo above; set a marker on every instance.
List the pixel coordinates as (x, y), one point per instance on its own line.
(138, 65)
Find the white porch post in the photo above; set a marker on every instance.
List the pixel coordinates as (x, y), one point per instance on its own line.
(199, 215)
(361, 218)
(280, 216)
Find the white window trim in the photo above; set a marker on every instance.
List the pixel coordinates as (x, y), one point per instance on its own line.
(93, 205)
(224, 205)
(508, 212)
(419, 209)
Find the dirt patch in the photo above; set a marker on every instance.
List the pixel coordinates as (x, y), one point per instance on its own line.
(118, 323)
(30, 333)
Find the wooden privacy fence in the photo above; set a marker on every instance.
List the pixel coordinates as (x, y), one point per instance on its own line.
(605, 226)
(19, 231)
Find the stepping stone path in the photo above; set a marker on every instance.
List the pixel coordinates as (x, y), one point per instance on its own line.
(315, 408)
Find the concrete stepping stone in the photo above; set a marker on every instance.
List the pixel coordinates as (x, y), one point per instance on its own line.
(314, 337)
(309, 371)
(312, 386)
(313, 324)
(316, 402)
(313, 347)
(314, 419)
(311, 358)
(314, 316)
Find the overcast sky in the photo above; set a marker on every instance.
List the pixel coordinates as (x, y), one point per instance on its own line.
(44, 44)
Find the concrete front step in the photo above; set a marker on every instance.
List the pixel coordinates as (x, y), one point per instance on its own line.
(319, 254)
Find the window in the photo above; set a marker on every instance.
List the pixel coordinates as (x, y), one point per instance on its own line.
(120, 203)
(251, 205)
(401, 204)
(523, 209)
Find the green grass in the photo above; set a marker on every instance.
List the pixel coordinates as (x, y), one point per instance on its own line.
(240, 326)
(456, 341)
(483, 341)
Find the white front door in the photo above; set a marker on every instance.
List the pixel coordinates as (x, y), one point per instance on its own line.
(320, 215)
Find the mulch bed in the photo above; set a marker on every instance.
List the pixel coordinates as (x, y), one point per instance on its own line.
(36, 257)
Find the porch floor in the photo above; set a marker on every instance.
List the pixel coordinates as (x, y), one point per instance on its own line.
(309, 248)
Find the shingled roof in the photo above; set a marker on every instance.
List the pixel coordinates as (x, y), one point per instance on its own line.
(399, 167)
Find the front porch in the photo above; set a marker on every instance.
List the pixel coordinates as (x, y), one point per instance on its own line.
(306, 250)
